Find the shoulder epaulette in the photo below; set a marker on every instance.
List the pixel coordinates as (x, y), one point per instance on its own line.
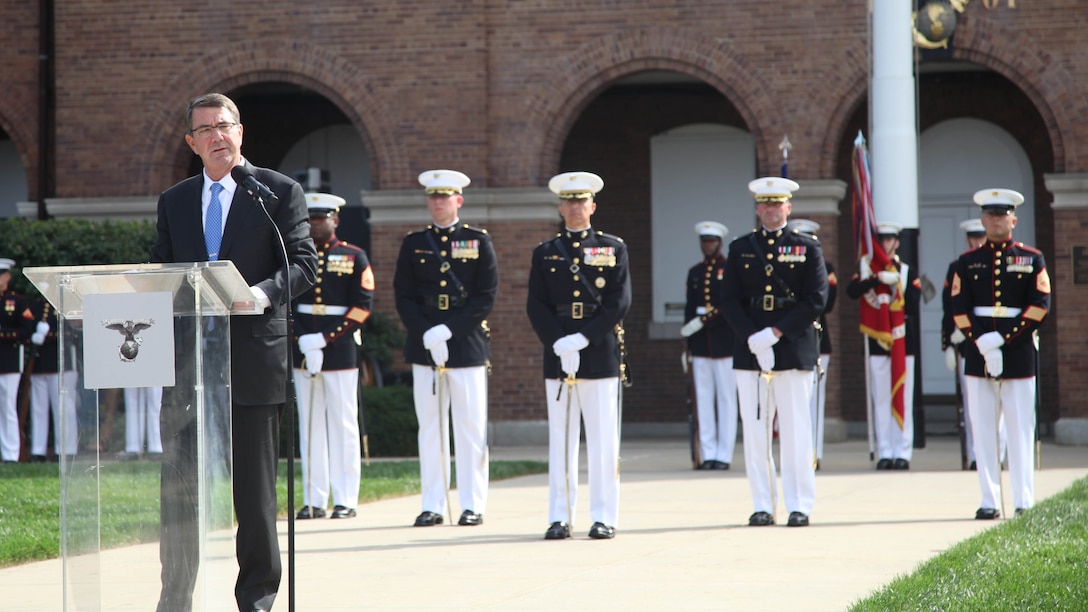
(613, 237)
(1029, 249)
(475, 229)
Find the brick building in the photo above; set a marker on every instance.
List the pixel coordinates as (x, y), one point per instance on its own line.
(675, 103)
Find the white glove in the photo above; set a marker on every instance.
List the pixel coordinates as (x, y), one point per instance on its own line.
(570, 362)
(765, 359)
(311, 342)
(956, 337)
(951, 359)
(260, 297)
(691, 327)
(570, 342)
(887, 277)
(314, 360)
(436, 334)
(866, 270)
(440, 353)
(995, 363)
(989, 341)
(762, 339)
(37, 338)
(43, 328)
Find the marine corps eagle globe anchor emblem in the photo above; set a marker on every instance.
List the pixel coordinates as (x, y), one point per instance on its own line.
(129, 328)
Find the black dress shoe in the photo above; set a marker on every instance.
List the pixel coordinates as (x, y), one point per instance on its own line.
(600, 531)
(468, 517)
(308, 513)
(901, 464)
(721, 465)
(884, 464)
(760, 519)
(706, 465)
(1020, 511)
(558, 531)
(973, 467)
(987, 514)
(37, 458)
(428, 519)
(339, 511)
(798, 519)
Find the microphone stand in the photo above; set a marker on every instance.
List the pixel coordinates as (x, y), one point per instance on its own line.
(291, 399)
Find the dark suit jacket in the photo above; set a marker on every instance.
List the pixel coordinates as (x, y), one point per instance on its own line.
(258, 343)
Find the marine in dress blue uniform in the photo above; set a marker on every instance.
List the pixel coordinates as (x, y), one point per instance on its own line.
(710, 344)
(818, 405)
(579, 292)
(326, 320)
(776, 288)
(445, 285)
(17, 325)
(895, 444)
(1000, 296)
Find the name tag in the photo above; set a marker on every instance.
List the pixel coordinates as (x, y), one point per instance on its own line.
(604, 257)
(465, 249)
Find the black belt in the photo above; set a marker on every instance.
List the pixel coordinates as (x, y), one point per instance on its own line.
(443, 301)
(772, 302)
(576, 310)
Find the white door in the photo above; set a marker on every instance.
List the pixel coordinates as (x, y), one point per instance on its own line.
(958, 158)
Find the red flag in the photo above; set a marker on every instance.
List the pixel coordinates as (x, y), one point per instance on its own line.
(882, 316)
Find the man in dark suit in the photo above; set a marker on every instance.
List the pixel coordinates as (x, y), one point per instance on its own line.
(776, 287)
(205, 218)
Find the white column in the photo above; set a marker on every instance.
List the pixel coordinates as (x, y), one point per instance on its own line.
(894, 138)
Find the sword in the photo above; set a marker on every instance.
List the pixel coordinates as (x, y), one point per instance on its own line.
(310, 448)
(570, 380)
(444, 438)
(767, 376)
(818, 374)
(997, 433)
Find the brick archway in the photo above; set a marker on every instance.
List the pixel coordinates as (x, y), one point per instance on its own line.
(581, 75)
(254, 62)
(17, 118)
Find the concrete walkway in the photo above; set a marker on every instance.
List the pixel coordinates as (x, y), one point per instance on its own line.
(683, 542)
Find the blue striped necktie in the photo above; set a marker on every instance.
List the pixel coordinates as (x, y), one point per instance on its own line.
(213, 224)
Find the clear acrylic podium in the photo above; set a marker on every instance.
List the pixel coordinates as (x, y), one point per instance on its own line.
(136, 326)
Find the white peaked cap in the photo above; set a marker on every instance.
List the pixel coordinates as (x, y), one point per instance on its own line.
(772, 189)
(711, 228)
(447, 182)
(575, 185)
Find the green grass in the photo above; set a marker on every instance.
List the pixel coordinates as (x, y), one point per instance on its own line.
(1038, 561)
(30, 501)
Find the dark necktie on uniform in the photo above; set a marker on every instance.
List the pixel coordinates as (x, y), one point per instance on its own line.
(213, 225)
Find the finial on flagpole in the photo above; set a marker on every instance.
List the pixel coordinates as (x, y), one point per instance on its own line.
(860, 140)
(785, 146)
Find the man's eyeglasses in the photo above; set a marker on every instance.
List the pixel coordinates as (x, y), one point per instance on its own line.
(205, 131)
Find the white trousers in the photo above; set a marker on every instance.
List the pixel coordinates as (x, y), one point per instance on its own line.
(891, 441)
(819, 402)
(142, 408)
(596, 402)
(9, 417)
(1017, 405)
(716, 401)
(789, 396)
(328, 431)
(464, 399)
(967, 428)
(45, 400)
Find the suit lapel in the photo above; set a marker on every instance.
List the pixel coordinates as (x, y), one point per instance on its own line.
(241, 207)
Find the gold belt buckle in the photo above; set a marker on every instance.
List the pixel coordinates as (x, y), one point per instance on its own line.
(1001, 312)
(577, 310)
(768, 302)
(319, 309)
(443, 301)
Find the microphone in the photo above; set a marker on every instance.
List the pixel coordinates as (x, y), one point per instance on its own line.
(244, 177)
